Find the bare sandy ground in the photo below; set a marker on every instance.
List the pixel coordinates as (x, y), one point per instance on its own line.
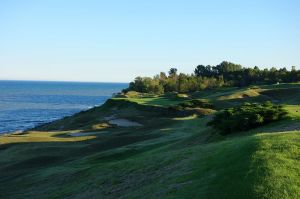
(121, 122)
(124, 122)
(86, 133)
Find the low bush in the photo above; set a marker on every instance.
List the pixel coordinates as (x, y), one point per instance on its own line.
(196, 103)
(247, 116)
(171, 95)
(134, 94)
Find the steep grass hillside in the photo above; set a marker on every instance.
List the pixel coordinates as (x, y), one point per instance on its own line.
(147, 147)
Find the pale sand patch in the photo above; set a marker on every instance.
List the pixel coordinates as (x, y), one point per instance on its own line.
(110, 117)
(124, 123)
(79, 134)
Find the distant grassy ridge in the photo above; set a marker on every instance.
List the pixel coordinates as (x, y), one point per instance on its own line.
(227, 97)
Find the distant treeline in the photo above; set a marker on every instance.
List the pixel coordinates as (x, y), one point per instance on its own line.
(206, 77)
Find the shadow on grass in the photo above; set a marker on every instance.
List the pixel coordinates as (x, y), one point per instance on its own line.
(290, 124)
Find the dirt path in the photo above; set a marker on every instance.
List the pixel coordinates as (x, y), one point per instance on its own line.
(124, 123)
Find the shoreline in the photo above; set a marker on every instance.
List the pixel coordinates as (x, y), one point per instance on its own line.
(46, 123)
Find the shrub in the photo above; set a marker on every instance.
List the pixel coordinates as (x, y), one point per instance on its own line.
(196, 103)
(247, 116)
(133, 94)
(171, 95)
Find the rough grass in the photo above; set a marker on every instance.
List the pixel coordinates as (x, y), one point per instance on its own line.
(277, 157)
(168, 157)
(252, 166)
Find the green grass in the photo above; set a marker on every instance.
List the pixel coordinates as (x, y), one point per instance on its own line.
(277, 156)
(294, 111)
(168, 157)
(154, 101)
(256, 166)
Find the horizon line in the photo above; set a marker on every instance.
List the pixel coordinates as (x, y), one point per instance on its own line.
(66, 81)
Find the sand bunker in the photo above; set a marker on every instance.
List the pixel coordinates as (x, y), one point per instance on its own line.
(124, 123)
(79, 134)
(110, 117)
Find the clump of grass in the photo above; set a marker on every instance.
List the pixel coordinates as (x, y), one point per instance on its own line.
(247, 116)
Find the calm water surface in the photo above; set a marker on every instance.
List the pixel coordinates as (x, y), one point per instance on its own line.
(25, 104)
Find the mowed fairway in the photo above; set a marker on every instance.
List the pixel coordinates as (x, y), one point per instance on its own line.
(166, 157)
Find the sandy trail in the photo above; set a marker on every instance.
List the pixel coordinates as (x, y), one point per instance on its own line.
(124, 123)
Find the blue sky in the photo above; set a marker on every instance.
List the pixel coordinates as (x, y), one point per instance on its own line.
(117, 40)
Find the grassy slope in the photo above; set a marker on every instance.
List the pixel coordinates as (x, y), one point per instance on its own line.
(166, 158)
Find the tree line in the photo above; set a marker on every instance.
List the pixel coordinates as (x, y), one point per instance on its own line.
(207, 77)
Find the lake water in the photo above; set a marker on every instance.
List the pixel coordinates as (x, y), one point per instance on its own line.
(25, 104)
